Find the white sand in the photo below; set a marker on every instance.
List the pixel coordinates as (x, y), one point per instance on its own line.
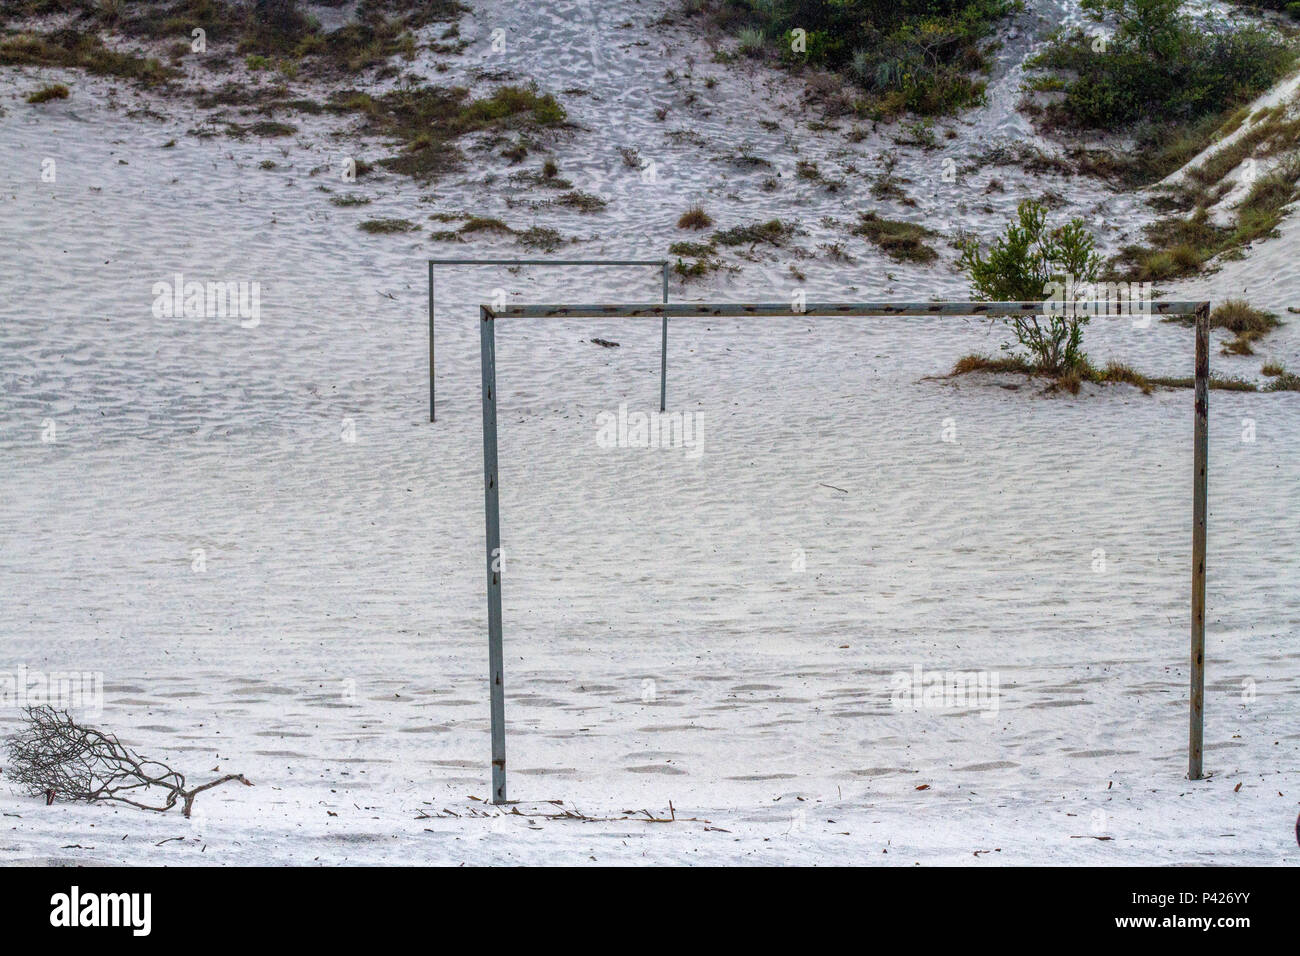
(334, 649)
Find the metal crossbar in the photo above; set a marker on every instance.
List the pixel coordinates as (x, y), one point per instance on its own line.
(492, 510)
(661, 263)
(822, 309)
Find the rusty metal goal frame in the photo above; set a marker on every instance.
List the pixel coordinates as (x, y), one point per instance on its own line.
(491, 503)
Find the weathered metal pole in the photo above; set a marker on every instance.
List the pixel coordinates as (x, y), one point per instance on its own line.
(1200, 490)
(432, 414)
(492, 511)
(663, 351)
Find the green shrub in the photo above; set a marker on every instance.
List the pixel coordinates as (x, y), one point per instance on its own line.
(909, 55)
(1159, 64)
(1019, 267)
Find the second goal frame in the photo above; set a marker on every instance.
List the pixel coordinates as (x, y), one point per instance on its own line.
(491, 500)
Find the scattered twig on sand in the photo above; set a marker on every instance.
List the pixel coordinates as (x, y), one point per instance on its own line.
(561, 813)
(832, 487)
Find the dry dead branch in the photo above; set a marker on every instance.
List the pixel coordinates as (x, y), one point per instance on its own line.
(54, 757)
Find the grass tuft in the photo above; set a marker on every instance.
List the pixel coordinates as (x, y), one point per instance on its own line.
(55, 91)
(385, 226)
(901, 241)
(695, 218)
(773, 232)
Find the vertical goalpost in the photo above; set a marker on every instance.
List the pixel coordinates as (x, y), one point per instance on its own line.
(491, 499)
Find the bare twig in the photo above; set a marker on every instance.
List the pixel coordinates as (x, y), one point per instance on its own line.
(57, 758)
(564, 813)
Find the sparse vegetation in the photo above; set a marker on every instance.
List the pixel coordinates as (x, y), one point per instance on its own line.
(539, 237)
(1180, 246)
(915, 56)
(428, 119)
(695, 218)
(987, 363)
(277, 34)
(901, 241)
(484, 224)
(265, 129)
(887, 185)
(1114, 373)
(1246, 322)
(55, 91)
(1172, 81)
(1282, 380)
(576, 199)
(385, 226)
(703, 256)
(75, 49)
(773, 232)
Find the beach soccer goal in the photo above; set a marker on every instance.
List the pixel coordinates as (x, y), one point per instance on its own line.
(489, 316)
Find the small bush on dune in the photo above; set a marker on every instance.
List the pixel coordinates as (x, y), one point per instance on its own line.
(1173, 83)
(1019, 267)
(750, 41)
(1289, 7)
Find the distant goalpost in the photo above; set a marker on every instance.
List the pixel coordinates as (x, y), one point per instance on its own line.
(488, 317)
